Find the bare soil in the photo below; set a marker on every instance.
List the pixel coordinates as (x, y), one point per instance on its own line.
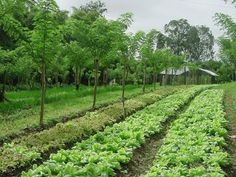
(230, 108)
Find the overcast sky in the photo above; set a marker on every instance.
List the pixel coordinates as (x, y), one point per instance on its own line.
(149, 14)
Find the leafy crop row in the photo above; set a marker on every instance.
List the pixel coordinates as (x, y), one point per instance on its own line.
(22, 152)
(195, 141)
(105, 151)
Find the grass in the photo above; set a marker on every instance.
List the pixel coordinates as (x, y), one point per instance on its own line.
(23, 110)
(230, 108)
(28, 99)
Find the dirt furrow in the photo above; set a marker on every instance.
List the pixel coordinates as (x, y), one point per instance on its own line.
(143, 157)
(231, 140)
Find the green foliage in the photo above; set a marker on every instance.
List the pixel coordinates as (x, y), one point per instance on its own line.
(227, 43)
(226, 23)
(46, 37)
(77, 56)
(91, 11)
(194, 143)
(5, 60)
(195, 41)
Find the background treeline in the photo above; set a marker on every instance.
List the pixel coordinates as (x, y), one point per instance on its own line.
(43, 46)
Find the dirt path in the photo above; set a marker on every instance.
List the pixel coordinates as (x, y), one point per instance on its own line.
(144, 156)
(230, 108)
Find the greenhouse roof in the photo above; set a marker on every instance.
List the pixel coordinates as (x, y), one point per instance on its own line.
(180, 71)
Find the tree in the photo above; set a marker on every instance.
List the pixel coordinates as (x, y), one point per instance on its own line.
(25, 74)
(231, 1)
(100, 40)
(45, 41)
(160, 43)
(196, 42)
(177, 32)
(192, 45)
(93, 33)
(166, 62)
(109, 64)
(147, 49)
(226, 23)
(177, 61)
(97, 8)
(12, 32)
(78, 59)
(161, 40)
(156, 65)
(126, 47)
(228, 43)
(5, 67)
(142, 49)
(228, 48)
(206, 43)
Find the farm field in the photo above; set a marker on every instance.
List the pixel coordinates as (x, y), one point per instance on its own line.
(103, 88)
(194, 144)
(35, 145)
(103, 143)
(103, 152)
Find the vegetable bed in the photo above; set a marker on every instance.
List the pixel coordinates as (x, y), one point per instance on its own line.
(194, 145)
(104, 152)
(22, 152)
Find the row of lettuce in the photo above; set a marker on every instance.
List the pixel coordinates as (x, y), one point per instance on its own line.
(24, 151)
(194, 145)
(104, 152)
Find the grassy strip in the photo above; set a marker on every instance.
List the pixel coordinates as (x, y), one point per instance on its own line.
(24, 100)
(230, 109)
(102, 153)
(23, 151)
(63, 104)
(195, 141)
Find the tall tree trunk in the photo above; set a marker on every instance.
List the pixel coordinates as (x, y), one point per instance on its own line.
(123, 88)
(154, 77)
(89, 81)
(43, 93)
(32, 82)
(235, 71)
(165, 79)
(185, 75)
(80, 73)
(96, 66)
(105, 77)
(144, 77)
(136, 79)
(153, 81)
(3, 90)
(77, 77)
(172, 76)
(175, 77)
(57, 79)
(127, 73)
(195, 77)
